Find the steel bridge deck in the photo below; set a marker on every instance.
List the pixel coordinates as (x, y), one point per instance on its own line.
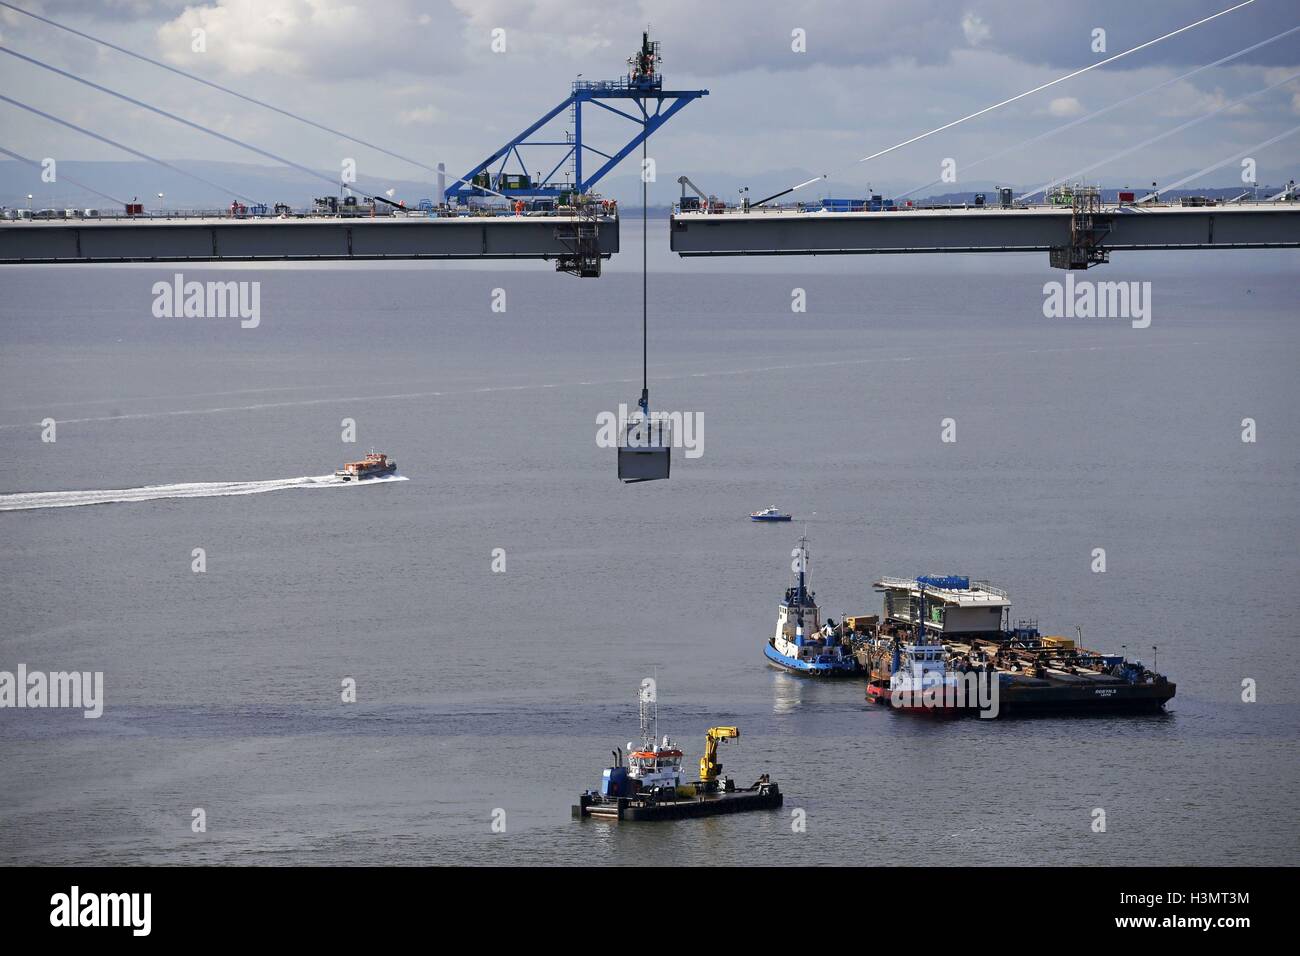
(778, 232)
(305, 238)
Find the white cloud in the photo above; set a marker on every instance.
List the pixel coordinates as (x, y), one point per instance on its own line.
(1065, 106)
(420, 116)
(323, 38)
(1187, 100)
(714, 40)
(975, 30)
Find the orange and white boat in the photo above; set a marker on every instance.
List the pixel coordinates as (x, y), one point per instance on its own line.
(372, 465)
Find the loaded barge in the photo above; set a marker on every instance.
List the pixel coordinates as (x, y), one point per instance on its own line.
(650, 784)
(963, 633)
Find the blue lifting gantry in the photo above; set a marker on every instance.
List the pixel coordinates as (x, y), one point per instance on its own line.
(642, 85)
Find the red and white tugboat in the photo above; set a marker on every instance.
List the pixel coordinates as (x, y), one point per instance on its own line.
(922, 682)
(919, 679)
(372, 465)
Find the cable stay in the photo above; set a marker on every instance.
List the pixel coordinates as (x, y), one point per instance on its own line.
(1078, 121)
(645, 447)
(1289, 191)
(67, 179)
(1157, 138)
(128, 149)
(227, 90)
(216, 86)
(1012, 99)
(180, 119)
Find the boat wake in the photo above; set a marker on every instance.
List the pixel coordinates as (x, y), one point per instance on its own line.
(26, 501)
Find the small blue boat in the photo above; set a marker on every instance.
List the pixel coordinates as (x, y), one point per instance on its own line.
(769, 514)
(801, 644)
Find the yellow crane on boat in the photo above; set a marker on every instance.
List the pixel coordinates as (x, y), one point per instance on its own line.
(709, 766)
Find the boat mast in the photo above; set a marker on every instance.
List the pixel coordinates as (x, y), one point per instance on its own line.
(646, 732)
(920, 620)
(649, 707)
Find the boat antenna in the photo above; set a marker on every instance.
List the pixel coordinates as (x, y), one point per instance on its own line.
(920, 618)
(656, 703)
(648, 704)
(643, 703)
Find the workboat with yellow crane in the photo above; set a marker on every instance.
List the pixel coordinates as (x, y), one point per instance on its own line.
(648, 784)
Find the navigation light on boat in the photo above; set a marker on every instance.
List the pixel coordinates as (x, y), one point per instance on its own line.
(645, 446)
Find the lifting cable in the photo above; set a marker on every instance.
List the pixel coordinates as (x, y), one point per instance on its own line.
(645, 280)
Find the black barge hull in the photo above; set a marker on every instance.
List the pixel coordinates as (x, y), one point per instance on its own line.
(1036, 697)
(629, 808)
(1057, 699)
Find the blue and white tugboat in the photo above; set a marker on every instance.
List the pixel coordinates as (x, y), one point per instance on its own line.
(801, 644)
(770, 513)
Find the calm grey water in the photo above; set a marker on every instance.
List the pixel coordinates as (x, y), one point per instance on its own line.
(481, 690)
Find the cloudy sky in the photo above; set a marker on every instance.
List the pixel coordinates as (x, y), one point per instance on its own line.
(423, 79)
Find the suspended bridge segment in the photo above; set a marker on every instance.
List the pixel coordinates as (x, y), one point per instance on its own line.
(70, 236)
(1077, 235)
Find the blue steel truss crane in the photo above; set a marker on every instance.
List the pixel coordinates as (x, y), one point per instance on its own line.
(643, 86)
